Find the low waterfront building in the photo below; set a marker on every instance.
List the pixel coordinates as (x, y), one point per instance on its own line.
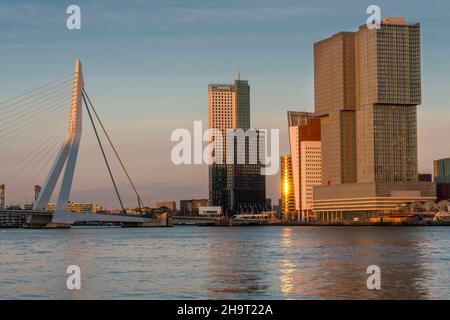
(443, 191)
(442, 178)
(190, 207)
(80, 207)
(214, 211)
(2, 196)
(425, 177)
(276, 208)
(171, 205)
(363, 201)
(9, 220)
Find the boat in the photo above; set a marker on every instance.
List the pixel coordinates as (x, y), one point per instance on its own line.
(200, 220)
(254, 219)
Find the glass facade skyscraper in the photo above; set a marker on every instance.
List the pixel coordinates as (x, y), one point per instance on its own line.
(367, 89)
(238, 187)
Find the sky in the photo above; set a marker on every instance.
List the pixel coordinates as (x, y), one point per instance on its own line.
(147, 65)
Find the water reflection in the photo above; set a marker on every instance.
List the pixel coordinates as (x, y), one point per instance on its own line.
(287, 266)
(227, 263)
(286, 279)
(334, 265)
(234, 267)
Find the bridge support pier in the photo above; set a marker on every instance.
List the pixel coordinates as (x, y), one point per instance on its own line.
(65, 220)
(43, 221)
(162, 220)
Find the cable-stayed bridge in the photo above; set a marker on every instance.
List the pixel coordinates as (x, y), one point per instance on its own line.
(32, 150)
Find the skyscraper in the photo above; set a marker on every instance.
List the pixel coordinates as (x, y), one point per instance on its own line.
(367, 88)
(306, 159)
(238, 186)
(388, 90)
(287, 187)
(335, 104)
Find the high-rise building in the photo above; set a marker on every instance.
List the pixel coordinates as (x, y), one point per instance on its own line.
(367, 88)
(388, 90)
(441, 172)
(238, 186)
(335, 104)
(287, 187)
(306, 159)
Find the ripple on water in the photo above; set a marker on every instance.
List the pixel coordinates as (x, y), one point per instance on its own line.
(226, 263)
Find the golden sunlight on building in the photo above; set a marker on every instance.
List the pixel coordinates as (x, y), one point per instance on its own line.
(287, 187)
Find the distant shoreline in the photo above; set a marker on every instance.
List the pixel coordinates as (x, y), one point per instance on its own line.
(303, 224)
(345, 224)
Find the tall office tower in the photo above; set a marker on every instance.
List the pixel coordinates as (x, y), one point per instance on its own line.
(441, 173)
(306, 159)
(335, 104)
(388, 90)
(287, 187)
(239, 186)
(367, 88)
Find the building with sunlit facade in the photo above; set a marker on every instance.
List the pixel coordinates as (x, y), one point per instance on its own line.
(239, 186)
(171, 205)
(79, 207)
(306, 160)
(367, 88)
(287, 187)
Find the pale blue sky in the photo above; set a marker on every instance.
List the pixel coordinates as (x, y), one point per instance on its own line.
(148, 63)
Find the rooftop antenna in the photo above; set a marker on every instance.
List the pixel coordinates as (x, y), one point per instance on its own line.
(239, 74)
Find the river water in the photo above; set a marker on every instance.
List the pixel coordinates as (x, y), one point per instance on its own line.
(226, 263)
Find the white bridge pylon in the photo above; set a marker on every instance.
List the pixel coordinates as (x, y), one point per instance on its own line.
(66, 160)
(67, 156)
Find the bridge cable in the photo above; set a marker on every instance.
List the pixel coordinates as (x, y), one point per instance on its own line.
(29, 124)
(103, 153)
(140, 202)
(54, 83)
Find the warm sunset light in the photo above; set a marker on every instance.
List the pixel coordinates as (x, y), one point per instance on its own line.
(227, 157)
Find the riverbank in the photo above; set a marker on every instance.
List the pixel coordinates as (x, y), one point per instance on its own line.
(227, 223)
(364, 224)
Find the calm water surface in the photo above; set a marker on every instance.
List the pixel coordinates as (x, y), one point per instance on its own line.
(226, 263)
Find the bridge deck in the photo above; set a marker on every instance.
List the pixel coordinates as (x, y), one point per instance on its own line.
(82, 217)
(24, 212)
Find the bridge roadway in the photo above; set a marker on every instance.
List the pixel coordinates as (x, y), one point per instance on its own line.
(36, 219)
